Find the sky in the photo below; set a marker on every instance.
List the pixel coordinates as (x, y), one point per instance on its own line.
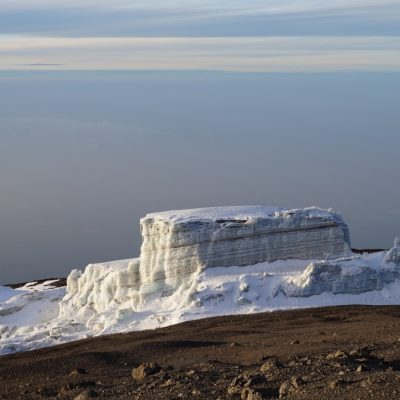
(112, 109)
(263, 36)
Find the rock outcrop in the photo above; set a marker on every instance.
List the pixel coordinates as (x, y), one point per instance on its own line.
(177, 243)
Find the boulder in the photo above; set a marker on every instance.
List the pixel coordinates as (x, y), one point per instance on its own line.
(144, 370)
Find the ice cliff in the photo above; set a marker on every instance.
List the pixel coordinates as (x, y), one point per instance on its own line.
(177, 243)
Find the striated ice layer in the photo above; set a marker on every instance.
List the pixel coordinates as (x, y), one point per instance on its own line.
(178, 243)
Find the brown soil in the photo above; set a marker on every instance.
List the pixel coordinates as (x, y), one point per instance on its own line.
(350, 352)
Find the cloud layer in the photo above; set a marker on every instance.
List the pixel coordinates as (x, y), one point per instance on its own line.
(263, 35)
(196, 6)
(200, 18)
(247, 54)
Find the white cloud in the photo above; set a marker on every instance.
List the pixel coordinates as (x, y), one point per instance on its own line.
(252, 54)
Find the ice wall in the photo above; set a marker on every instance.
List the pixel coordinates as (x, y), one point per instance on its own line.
(178, 243)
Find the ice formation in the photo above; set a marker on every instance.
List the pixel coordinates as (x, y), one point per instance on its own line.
(177, 243)
(351, 276)
(393, 254)
(192, 266)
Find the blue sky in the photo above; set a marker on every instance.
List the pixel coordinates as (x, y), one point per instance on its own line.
(112, 109)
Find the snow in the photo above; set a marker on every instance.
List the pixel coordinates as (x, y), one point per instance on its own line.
(393, 255)
(6, 293)
(35, 286)
(186, 271)
(214, 213)
(231, 213)
(101, 301)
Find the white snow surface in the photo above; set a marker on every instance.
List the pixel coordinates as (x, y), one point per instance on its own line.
(6, 293)
(100, 300)
(231, 213)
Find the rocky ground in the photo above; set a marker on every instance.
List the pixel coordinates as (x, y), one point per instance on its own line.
(350, 352)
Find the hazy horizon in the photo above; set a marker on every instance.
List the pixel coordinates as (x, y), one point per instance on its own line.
(79, 169)
(110, 110)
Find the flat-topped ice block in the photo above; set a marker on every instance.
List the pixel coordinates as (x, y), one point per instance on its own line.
(176, 243)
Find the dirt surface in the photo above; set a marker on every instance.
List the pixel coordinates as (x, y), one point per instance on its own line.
(350, 352)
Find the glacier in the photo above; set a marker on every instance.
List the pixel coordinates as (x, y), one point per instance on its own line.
(201, 263)
(177, 244)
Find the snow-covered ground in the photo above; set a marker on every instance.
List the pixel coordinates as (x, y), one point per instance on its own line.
(100, 300)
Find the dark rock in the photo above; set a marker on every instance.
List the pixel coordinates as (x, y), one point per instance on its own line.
(289, 387)
(297, 381)
(78, 371)
(334, 384)
(255, 380)
(87, 394)
(361, 368)
(236, 386)
(251, 394)
(145, 370)
(285, 389)
(336, 355)
(272, 365)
